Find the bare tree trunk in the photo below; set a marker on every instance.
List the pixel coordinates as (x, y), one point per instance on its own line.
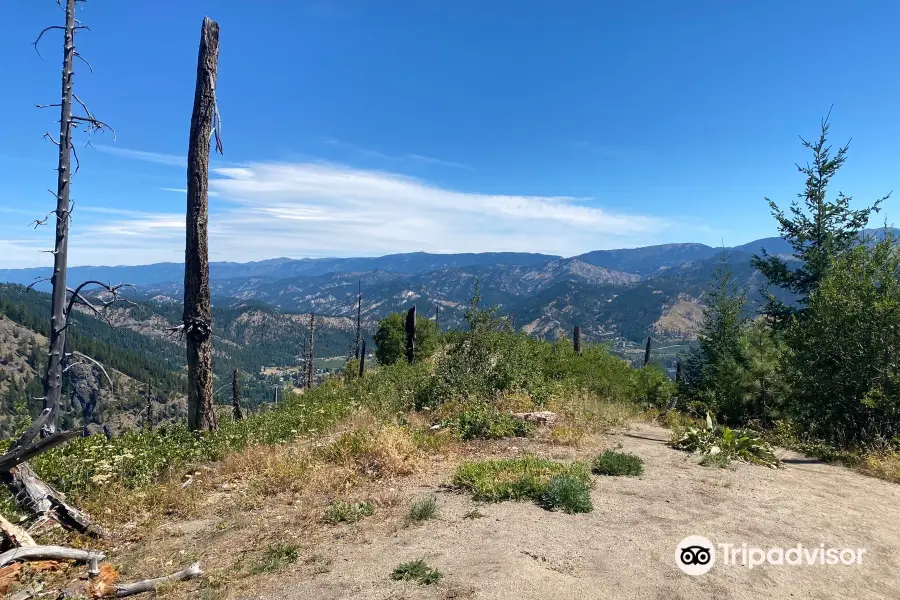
(576, 340)
(197, 315)
(58, 316)
(362, 359)
(311, 360)
(437, 316)
(411, 335)
(678, 371)
(359, 319)
(236, 413)
(647, 351)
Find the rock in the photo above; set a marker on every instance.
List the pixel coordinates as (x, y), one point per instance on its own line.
(544, 417)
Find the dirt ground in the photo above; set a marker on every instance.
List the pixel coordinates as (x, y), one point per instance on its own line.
(625, 548)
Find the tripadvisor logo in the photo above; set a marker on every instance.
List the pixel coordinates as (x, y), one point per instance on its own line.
(696, 555)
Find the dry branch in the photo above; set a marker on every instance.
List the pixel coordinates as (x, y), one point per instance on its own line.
(42, 500)
(47, 553)
(148, 585)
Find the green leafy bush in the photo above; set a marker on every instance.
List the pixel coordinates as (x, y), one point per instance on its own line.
(417, 571)
(390, 339)
(568, 493)
(739, 444)
(480, 420)
(618, 463)
(348, 512)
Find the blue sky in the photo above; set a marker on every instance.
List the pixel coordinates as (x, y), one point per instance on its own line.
(364, 128)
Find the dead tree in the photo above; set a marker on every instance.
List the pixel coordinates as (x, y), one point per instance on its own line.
(362, 359)
(236, 413)
(358, 319)
(647, 351)
(437, 316)
(677, 371)
(31, 494)
(576, 340)
(311, 356)
(411, 335)
(196, 323)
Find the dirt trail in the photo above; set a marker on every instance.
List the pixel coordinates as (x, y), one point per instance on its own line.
(625, 548)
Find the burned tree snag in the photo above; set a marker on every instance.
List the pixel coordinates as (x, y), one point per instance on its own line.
(358, 319)
(58, 318)
(236, 413)
(437, 316)
(411, 335)
(197, 320)
(311, 357)
(362, 359)
(647, 351)
(576, 340)
(678, 371)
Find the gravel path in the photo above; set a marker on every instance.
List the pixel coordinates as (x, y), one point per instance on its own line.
(625, 548)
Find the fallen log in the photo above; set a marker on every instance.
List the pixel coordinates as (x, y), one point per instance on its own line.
(38, 497)
(48, 553)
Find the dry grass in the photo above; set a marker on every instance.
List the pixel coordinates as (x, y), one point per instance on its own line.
(884, 466)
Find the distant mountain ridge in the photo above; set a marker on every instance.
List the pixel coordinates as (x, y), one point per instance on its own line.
(622, 294)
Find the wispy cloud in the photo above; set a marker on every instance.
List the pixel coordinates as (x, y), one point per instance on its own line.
(267, 209)
(172, 160)
(405, 158)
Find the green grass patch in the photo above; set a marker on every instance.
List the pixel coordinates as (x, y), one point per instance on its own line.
(526, 478)
(418, 571)
(569, 494)
(348, 512)
(719, 460)
(276, 557)
(482, 421)
(422, 510)
(618, 463)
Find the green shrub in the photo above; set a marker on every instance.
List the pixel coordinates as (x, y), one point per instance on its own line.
(390, 339)
(479, 420)
(568, 493)
(348, 512)
(276, 557)
(417, 571)
(524, 478)
(618, 463)
(422, 510)
(739, 444)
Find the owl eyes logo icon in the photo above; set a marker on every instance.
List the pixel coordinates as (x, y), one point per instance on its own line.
(695, 555)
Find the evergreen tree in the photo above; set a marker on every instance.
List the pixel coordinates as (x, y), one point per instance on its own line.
(818, 229)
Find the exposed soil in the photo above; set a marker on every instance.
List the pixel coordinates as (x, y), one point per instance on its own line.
(625, 548)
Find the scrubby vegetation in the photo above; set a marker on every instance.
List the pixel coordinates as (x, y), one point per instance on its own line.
(618, 463)
(341, 511)
(739, 444)
(417, 571)
(422, 510)
(526, 478)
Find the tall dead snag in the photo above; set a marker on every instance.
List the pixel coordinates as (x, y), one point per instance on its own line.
(647, 351)
(411, 335)
(576, 340)
(197, 320)
(677, 371)
(236, 413)
(437, 316)
(362, 359)
(311, 356)
(358, 319)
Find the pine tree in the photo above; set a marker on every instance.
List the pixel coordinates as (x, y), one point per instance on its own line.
(818, 229)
